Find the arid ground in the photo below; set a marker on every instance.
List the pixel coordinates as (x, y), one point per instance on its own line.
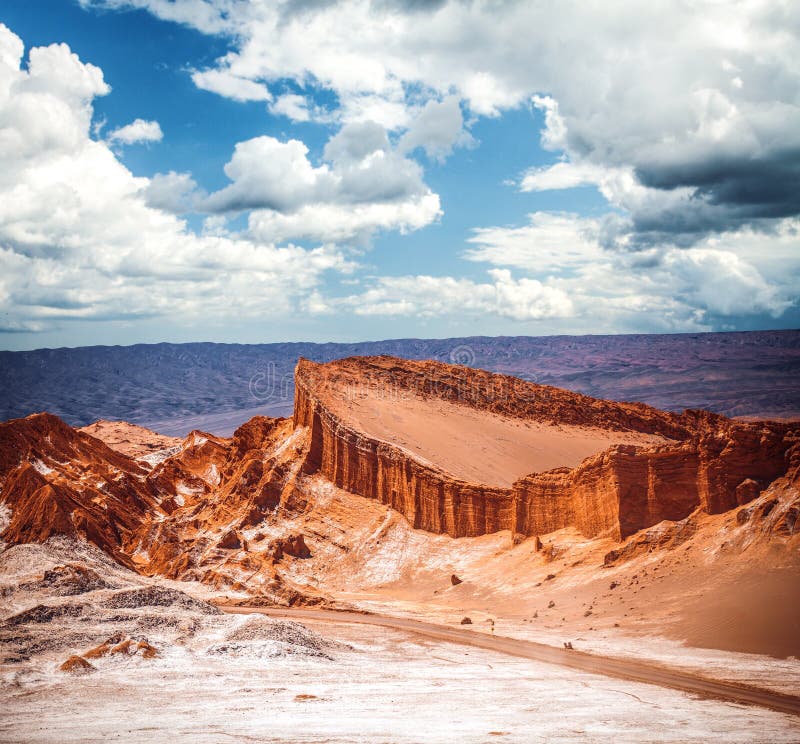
(431, 554)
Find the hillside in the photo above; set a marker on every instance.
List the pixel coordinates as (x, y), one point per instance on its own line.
(321, 510)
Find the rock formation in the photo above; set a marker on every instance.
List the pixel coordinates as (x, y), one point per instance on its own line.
(183, 517)
(211, 508)
(708, 462)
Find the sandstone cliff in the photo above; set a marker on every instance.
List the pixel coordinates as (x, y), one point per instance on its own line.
(218, 510)
(708, 462)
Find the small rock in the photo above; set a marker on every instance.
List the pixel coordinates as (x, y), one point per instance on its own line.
(746, 491)
(230, 541)
(466, 621)
(98, 651)
(148, 651)
(76, 665)
(293, 545)
(551, 604)
(454, 580)
(123, 648)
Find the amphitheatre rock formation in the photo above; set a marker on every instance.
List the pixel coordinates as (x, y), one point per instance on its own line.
(456, 451)
(624, 466)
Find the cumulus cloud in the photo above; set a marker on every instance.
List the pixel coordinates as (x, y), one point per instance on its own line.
(698, 99)
(292, 106)
(666, 287)
(136, 132)
(345, 223)
(437, 129)
(503, 295)
(361, 185)
(82, 238)
(172, 192)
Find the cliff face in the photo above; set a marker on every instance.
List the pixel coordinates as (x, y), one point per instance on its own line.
(709, 461)
(59, 481)
(428, 497)
(191, 515)
(211, 508)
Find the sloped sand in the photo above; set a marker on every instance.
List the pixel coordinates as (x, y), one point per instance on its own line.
(477, 446)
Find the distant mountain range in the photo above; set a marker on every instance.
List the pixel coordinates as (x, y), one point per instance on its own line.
(176, 387)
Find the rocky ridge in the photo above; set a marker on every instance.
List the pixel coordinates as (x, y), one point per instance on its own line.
(230, 512)
(711, 462)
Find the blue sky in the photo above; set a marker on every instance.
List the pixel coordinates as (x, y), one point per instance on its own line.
(237, 170)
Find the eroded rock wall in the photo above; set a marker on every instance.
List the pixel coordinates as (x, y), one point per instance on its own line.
(712, 463)
(428, 497)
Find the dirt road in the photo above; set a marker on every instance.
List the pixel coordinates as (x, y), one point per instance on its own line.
(637, 671)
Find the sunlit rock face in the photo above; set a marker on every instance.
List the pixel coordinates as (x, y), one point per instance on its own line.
(368, 415)
(456, 451)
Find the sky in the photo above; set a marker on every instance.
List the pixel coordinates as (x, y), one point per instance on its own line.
(253, 171)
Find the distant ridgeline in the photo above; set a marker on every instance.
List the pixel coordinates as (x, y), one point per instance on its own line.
(177, 387)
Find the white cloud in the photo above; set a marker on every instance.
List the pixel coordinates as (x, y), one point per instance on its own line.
(697, 98)
(722, 283)
(292, 106)
(563, 175)
(548, 244)
(667, 287)
(226, 84)
(136, 132)
(171, 192)
(80, 237)
(519, 299)
(363, 185)
(437, 129)
(345, 223)
(268, 173)
(208, 16)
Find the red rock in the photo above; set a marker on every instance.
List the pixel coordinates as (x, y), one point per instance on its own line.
(293, 545)
(615, 493)
(186, 517)
(98, 651)
(76, 665)
(147, 651)
(59, 481)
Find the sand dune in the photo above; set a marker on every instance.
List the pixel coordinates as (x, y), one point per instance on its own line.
(475, 445)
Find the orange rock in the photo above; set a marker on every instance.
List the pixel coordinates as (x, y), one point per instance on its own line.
(126, 647)
(616, 492)
(98, 651)
(76, 665)
(148, 651)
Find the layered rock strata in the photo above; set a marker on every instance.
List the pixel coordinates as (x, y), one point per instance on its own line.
(708, 462)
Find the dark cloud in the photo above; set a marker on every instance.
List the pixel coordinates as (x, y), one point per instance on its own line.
(753, 186)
